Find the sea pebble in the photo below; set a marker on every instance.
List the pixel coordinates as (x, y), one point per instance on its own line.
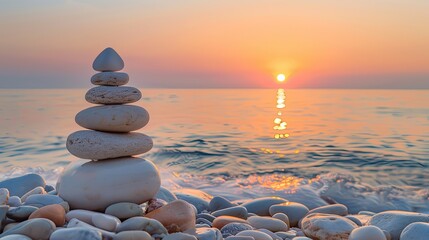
(9, 226)
(218, 203)
(416, 231)
(14, 201)
(367, 232)
(4, 196)
(207, 216)
(75, 223)
(36, 190)
(3, 212)
(76, 233)
(203, 221)
(49, 188)
(54, 212)
(368, 213)
(112, 95)
(165, 195)
(237, 211)
(96, 145)
(21, 213)
(153, 204)
(41, 200)
(124, 210)
(257, 235)
(115, 118)
(286, 235)
(15, 237)
(336, 209)
(394, 222)
(283, 217)
(38, 228)
(21, 185)
(132, 235)
(272, 224)
(108, 61)
(354, 219)
(261, 206)
(240, 238)
(206, 233)
(221, 221)
(83, 189)
(272, 235)
(110, 78)
(302, 238)
(295, 211)
(195, 197)
(233, 228)
(149, 225)
(177, 216)
(99, 220)
(179, 236)
(327, 226)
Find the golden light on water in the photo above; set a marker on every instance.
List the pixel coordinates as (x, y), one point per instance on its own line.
(281, 77)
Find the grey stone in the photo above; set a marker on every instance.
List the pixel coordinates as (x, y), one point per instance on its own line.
(21, 213)
(261, 206)
(232, 229)
(237, 211)
(218, 203)
(41, 200)
(77, 233)
(21, 185)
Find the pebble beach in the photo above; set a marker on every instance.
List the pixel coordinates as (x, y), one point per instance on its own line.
(110, 192)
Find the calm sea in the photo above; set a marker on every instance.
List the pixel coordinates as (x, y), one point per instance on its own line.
(368, 149)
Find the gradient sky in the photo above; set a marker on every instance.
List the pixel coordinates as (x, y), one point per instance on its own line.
(222, 43)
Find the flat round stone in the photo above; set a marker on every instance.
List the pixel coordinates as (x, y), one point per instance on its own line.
(96, 145)
(92, 185)
(114, 118)
(112, 95)
(110, 78)
(108, 61)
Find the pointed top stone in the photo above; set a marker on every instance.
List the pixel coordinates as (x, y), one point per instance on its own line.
(108, 61)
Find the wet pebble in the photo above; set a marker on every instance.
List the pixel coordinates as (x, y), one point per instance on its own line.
(232, 229)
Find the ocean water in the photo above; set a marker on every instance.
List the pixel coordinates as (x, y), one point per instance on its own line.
(368, 149)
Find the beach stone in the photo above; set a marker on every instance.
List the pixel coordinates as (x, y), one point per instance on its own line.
(9, 226)
(295, 211)
(115, 118)
(21, 213)
(327, 226)
(4, 196)
(54, 212)
(301, 238)
(149, 225)
(286, 235)
(15, 237)
(77, 233)
(233, 228)
(21, 185)
(165, 195)
(179, 236)
(113, 95)
(14, 201)
(207, 233)
(283, 217)
(96, 145)
(272, 224)
(41, 200)
(221, 221)
(272, 235)
(132, 235)
(153, 204)
(38, 228)
(37, 190)
(261, 206)
(105, 222)
(124, 210)
(218, 203)
(207, 216)
(108, 61)
(177, 216)
(237, 211)
(3, 212)
(368, 213)
(195, 197)
(97, 185)
(110, 78)
(354, 219)
(366, 233)
(415, 231)
(49, 188)
(394, 222)
(240, 238)
(336, 209)
(75, 223)
(257, 235)
(203, 221)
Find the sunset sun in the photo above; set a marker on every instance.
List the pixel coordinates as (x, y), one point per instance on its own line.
(281, 77)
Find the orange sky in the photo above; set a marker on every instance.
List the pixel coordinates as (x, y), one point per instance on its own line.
(334, 44)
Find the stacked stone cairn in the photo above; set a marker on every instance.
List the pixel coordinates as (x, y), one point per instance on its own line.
(109, 194)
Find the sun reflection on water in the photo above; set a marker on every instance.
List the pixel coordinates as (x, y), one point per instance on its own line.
(280, 124)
